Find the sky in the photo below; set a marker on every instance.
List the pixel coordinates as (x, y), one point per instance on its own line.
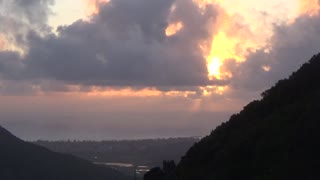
(130, 69)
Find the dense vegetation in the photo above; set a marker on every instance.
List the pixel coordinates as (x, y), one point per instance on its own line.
(276, 137)
(148, 152)
(20, 160)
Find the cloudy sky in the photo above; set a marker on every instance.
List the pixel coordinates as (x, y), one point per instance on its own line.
(126, 69)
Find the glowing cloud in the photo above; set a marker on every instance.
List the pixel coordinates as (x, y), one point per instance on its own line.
(310, 7)
(3, 43)
(92, 6)
(123, 92)
(8, 45)
(173, 28)
(217, 90)
(266, 68)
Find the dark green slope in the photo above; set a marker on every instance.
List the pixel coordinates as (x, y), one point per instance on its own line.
(277, 137)
(20, 160)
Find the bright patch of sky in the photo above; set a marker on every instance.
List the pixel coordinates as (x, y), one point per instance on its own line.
(66, 12)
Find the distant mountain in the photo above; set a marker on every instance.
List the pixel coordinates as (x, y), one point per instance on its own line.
(146, 152)
(20, 160)
(275, 138)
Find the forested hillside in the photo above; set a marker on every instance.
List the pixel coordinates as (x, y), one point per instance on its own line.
(276, 137)
(20, 160)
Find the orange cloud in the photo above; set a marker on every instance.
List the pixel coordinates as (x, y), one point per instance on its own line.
(3, 43)
(310, 7)
(128, 92)
(92, 6)
(173, 28)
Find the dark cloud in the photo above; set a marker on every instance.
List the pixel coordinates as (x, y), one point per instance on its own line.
(123, 45)
(33, 12)
(19, 17)
(10, 65)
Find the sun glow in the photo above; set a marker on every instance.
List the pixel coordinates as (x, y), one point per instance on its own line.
(236, 33)
(233, 37)
(214, 65)
(223, 48)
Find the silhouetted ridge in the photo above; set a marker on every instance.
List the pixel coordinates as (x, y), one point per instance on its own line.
(4, 132)
(5, 135)
(276, 137)
(20, 160)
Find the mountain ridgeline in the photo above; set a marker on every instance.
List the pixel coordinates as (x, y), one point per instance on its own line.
(275, 138)
(20, 160)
